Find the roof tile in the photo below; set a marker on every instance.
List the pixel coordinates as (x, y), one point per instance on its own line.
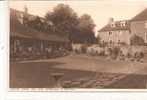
(141, 16)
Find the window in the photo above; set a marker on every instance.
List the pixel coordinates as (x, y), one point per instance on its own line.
(103, 41)
(123, 23)
(118, 41)
(113, 25)
(110, 41)
(110, 33)
(145, 24)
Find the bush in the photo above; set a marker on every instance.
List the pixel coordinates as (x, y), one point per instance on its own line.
(136, 40)
(115, 52)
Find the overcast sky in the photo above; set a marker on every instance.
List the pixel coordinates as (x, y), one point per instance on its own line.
(100, 10)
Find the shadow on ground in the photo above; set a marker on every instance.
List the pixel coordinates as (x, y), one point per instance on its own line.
(38, 74)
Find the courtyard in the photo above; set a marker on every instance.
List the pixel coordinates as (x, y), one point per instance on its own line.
(79, 71)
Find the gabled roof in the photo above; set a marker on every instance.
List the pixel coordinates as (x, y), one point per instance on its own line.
(19, 30)
(141, 16)
(117, 26)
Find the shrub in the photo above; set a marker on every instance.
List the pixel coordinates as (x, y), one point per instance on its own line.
(115, 52)
(136, 40)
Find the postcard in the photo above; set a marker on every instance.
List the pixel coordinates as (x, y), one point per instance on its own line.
(72, 45)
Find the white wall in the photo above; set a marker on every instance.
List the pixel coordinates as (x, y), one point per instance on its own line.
(122, 35)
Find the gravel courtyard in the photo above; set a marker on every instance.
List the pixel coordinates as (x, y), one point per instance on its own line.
(97, 72)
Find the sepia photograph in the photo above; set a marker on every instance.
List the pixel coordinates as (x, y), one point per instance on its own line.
(78, 44)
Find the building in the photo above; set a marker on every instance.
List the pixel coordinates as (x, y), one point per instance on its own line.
(27, 42)
(138, 25)
(115, 32)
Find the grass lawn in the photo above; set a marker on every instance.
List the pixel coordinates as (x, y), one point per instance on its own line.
(37, 74)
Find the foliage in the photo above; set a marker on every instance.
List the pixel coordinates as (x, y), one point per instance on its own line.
(86, 28)
(63, 21)
(86, 23)
(115, 52)
(98, 39)
(66, 22)
(136, 40)
(63, 18)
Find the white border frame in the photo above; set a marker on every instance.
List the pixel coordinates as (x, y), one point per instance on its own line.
(55, 94)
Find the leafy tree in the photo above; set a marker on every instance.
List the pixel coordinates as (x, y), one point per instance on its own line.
(64, 19)
(35, 23)
(66, 22)
(98, 39)
(86, 28)
(86, 23)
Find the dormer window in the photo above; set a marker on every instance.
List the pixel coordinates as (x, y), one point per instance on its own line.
(113, 25)
(123, 24)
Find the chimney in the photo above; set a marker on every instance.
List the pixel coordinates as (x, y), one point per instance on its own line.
(25, 9)
(111, 20)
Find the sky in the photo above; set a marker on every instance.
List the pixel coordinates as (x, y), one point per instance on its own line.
(100, 10)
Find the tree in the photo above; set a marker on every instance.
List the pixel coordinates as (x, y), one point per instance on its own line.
(86, 28)
(64, 19)
(36, 23)
(136, 40)
(98, 39)
(86, 23)
(66, 22)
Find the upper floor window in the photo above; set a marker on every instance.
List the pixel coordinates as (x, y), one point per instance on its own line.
(145, 24)
(123, 23)
(110, 33)
(113, 24)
